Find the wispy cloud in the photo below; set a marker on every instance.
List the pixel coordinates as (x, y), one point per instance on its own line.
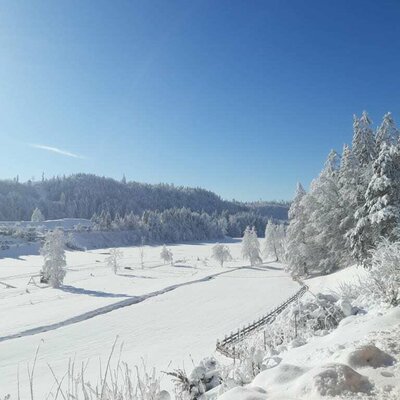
(56, 150)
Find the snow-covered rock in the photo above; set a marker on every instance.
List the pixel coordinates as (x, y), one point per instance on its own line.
(337, 380)
(370, 356)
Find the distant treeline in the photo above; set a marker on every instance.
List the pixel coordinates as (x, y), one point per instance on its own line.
(180, 224)
(86, 195)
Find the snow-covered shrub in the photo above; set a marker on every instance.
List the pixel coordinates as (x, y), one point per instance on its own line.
(53, 270)
(37, 215)
(384, 276)
(112, 259)
(380, 283)
(221, 253)
(249, 365)
(26, 233)
(166, 255)
(204, 377)
(310, 316)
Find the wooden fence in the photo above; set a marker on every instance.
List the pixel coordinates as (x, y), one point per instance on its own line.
(227, 345)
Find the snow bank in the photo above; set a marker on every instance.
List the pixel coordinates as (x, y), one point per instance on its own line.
(356, 360)
(335, 380)
(245, 393)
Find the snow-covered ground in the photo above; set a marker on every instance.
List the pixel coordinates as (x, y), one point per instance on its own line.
(357, 360)
(167, 315)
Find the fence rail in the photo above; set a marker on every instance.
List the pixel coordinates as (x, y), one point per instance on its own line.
(226, 346)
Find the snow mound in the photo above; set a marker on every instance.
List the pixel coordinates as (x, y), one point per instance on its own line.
(370, 356)
(337, 380)
(279, 375)
(244, 393)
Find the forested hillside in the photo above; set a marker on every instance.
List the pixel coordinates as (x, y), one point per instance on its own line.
(83, 195)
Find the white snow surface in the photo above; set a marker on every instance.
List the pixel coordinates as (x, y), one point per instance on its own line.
(358, 360)
(167, 315)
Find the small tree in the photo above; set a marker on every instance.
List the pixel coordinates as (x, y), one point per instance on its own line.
(37, 215)
(385, 272)
(112, 259)
(221, 253)
(166, 255)
(53, 270)
(141, 252)
(251, 246)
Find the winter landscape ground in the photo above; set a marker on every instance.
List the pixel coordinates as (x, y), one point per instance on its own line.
(174, 313)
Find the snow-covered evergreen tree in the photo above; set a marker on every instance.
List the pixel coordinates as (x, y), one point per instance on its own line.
(166, 255)
(112, 259)
(363, 146)
(37, 215)
(379, 216)
(387, 133)
(53, 270)
(221, 253)
(251, 246)
(296, 240)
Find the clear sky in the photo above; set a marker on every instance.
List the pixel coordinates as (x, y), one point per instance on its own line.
(244, 98)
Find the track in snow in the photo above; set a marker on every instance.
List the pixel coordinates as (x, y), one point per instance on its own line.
(111, 307)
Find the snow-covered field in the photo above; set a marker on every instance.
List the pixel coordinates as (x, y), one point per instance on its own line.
(167, 315)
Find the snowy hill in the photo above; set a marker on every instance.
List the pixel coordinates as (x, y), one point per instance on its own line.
(358, 359)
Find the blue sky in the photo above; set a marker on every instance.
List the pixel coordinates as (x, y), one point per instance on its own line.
(244, 98)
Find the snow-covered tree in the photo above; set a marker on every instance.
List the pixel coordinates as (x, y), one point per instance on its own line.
(315, 240)
(53, 270)
(363, 146)
(166, 255)
(37, 215)
(221, 253)
(274, 244)
(296, 240)
(380, 215)
(387, 133)
(112, 259)
(325, 240)
(251, 246)
(383, 193)
(141, 253)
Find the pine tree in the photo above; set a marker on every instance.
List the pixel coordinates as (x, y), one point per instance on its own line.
(387, 133)
(37, 215)
(221, 253)
(383, 194)
(53, 270)
(363, 146)
(296, 240)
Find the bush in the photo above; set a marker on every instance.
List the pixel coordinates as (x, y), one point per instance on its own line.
(384, 277)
